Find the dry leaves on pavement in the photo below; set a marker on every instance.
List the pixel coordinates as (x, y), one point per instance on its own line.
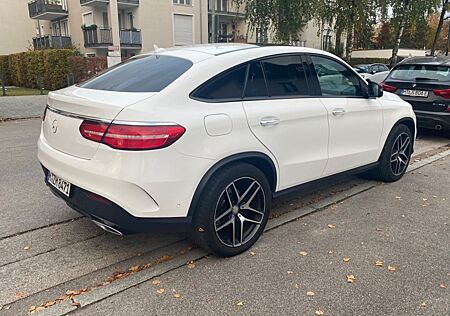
(156, 282)
(240, 303)
(350, 278)
(346, 259)
(391, 269)
(303, 253)
(319, 312)
(310, 293)
(379, 263)
(160, 291)
(331, 226)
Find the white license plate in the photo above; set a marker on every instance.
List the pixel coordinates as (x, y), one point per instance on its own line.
(59, 184)
(414, 93)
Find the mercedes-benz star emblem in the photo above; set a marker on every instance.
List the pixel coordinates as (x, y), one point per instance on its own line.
(54, 126)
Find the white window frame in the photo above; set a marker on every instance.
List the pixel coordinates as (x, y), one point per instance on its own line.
(183, 2)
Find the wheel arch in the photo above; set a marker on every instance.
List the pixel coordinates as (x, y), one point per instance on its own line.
(409, 123)
(257, 159)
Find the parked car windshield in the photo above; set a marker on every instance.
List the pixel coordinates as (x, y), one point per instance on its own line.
(420, 72)
(141, 74)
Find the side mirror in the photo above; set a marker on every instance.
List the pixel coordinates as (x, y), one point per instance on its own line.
(375, 90)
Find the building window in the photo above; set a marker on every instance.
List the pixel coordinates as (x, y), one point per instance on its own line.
(184, 2)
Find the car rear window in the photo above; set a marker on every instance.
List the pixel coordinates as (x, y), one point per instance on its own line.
(420, 72)
(142, 74)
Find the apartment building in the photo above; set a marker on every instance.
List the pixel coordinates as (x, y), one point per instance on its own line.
(129, 27)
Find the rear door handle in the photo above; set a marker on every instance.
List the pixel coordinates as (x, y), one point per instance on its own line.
(269, 121)
(338, 112)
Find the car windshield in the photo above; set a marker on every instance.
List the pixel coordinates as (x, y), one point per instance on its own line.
(141, 74)
(362, 67)
(421, 72)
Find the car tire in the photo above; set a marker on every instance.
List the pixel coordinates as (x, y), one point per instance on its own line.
(236, 197)
(396, 155)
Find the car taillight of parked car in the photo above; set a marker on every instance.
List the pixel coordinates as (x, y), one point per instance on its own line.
(132, 137)
(388, 88)
(445, 93)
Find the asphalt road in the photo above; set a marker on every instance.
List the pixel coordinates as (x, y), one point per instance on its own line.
(46, 248)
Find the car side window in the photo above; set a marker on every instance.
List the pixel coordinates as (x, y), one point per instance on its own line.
(256, 84)
(227, 86)
(335, 79)
(285, 76)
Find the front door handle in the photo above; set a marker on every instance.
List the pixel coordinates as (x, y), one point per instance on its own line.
(338, 112)
(269, 121)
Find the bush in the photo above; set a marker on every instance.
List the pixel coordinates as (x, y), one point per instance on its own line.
(50, 68)
(357, 61)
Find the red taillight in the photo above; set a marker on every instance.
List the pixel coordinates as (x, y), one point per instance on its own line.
(443, 93)
(93, 130)
(388, 88)
(45, 113)
(132, 137)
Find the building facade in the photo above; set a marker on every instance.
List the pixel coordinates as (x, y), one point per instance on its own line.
(129, 27)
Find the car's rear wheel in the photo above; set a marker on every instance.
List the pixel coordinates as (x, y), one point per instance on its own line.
(232, 211)
(396, 155)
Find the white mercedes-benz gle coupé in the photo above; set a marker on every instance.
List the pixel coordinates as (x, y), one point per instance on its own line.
(200, 139)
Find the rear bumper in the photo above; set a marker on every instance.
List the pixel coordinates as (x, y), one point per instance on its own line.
(108, 213)
(433, 119)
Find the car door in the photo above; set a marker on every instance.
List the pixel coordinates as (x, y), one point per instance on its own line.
(286, 119)
(355, 121)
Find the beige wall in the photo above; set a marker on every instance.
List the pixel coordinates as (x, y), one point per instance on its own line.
(17, 29)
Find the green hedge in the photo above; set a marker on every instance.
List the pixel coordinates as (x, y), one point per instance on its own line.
(52, 68)
(357, 61)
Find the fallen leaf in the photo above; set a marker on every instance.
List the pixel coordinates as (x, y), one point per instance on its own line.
(333, 206)
(156, 282)
(50, 303)
(201, 229)
(177, 295)
(290, 272)
(398, 197)
(379, 230)
(331, 226)
(7, 307)
(75, 304)
(303, 253)
(391, 269)
(134, 268)
(351, 278)
(423, 304)
(26, 248)
(424, 199)
(70, 292)
(442, 286)
(160, 291)
(240, 303)
(191, 266)
(379, 263)
(346, 259)
(20, 294)
(310, 293)
(296, 285)
(319, 312)
(252, 253)
(330, 252)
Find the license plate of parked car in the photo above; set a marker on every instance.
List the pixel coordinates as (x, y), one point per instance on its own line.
(414, 93)
(59, 184)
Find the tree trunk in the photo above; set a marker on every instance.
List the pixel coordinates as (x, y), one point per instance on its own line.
(398, 38)
(439, 28)
(349, 44)
(338, 43)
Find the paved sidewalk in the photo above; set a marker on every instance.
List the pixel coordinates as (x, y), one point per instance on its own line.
(22, 106)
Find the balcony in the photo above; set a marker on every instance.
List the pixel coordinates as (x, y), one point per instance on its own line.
(102, 38)
(225, 8)
(122, 4)
(50, 41)
(47, 9)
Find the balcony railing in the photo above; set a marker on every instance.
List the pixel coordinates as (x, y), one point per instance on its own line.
(50, 41)
(47, 9)
(102, 37)
(98, 37)
(121, 3)
(131, 38)
(224, 7)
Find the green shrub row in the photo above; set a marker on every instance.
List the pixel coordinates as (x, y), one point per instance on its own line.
(358, 61)
(50, 69)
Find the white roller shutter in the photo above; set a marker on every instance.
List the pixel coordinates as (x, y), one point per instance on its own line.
(183, 29)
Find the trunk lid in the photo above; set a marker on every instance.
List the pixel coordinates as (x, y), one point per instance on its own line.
(69, 107)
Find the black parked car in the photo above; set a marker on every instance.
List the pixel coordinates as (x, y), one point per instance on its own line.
(425, 83)
(372, 68)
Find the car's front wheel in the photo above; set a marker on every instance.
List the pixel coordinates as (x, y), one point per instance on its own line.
(396, 155)
(232, 211)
